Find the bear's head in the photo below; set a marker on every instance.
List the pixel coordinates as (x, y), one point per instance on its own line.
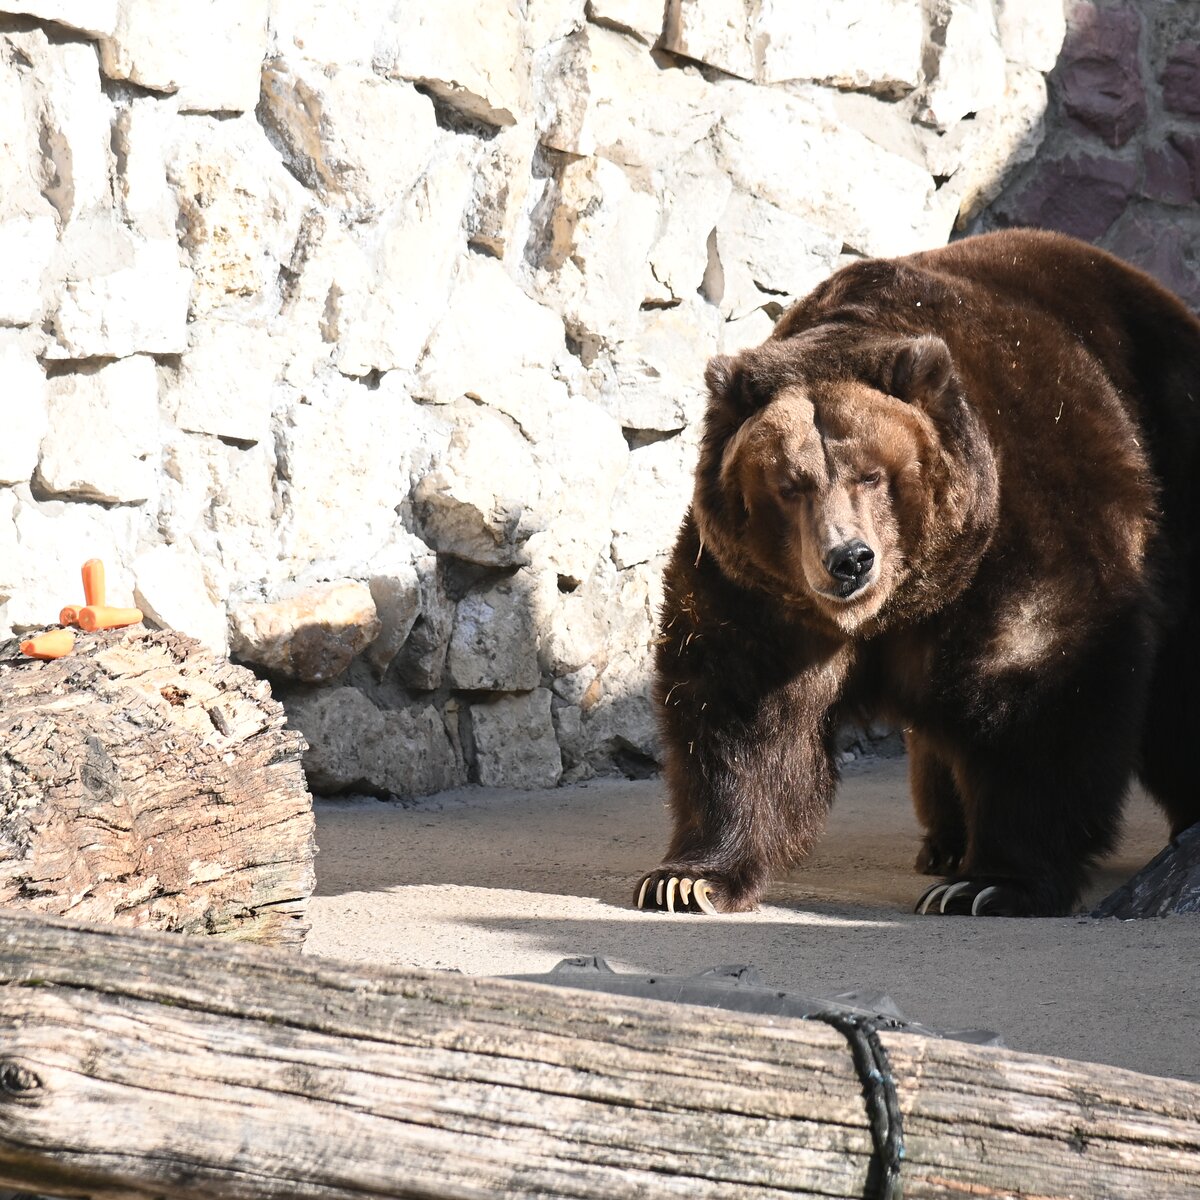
(840, 470)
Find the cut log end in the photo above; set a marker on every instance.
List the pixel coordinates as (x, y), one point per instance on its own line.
(148, 781)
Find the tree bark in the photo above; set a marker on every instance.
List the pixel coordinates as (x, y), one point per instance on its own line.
(138, 1065)
(1169, 884)
(147, 781)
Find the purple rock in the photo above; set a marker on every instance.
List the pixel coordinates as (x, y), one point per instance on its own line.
(1081, 195)
(1168, 176)
(1158, 247)
(1181, 80)
(1098, 73)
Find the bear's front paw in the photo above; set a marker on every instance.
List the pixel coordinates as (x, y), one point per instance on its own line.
(990, 897)
(940, 854)
(689, 889)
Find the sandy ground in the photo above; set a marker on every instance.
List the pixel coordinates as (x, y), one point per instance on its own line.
(501, 882)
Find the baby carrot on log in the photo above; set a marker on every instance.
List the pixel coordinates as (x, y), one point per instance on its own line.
(93, 583)
(54, 644)
(100, 616)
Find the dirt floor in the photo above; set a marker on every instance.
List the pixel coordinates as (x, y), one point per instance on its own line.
(500, 883)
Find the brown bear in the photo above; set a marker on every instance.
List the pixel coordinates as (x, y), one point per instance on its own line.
(960, 490)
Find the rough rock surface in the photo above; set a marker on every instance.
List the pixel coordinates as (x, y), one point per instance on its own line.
(368, 339)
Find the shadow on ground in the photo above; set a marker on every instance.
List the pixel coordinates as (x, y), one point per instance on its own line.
(508, 883)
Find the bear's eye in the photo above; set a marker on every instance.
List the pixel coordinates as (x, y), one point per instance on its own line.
(870, 479)
(789, 489)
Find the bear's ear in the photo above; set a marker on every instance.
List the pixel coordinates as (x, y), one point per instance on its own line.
(920, 370)
(718, 375)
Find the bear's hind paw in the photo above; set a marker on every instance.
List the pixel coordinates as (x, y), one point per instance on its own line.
(675, 893)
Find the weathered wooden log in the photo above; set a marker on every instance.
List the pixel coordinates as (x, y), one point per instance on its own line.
(146, 780)
(136, 1065)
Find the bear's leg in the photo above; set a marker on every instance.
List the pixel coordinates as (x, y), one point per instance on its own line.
(938, 806)
(1167, 765)
(1043, 771)
(749, 790)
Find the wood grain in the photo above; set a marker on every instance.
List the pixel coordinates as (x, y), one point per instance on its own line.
(147, 781)
(135, 1064)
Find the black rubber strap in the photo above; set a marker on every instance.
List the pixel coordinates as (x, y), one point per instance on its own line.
(883, 1105)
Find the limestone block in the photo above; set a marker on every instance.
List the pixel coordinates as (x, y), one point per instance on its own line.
(469, 55)
(421, 662)
(386, 299)
(581, 460)
(354, 745)
(584, 107)
(968, 73)
(549, 21)
(338, 127)
(496, 216)
(980, 155)
(27, 246)
(718, 32)
(570, 624)
(209, 54)
(221, 498)
(763, 255)
(141, 134)
(25, 407)
(618, 728)
(239, 211)
(515, 744)
(494, 644)
(38, 583)
(768, 140)
(597, 240)
(103, 437)
(1099, 72)
(642, 18)
(749, 331)
(96, 18)
(483, 499)
(347, 460)
(1031, 31)
(173, 590)
(866, 44)
(334, 32)
(310, 633)
(496, 345)
(692, 194)
(654, 379)
(652, 499)
(71, 117)
(396, 590)
(224, 382)
(134, 301)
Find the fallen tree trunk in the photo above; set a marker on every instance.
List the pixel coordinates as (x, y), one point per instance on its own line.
(136, 1064)
(148, 781)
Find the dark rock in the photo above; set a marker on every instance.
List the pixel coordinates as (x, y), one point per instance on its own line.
(1181, 80)
(1098, 73)
(1168, 175)
(1080, 195)
(1159, 248)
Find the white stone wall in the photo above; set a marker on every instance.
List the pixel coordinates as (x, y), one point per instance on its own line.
(365, 339)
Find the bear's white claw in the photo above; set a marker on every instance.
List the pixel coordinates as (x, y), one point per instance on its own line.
(952, 891)
(672, 884)
(685, 891)
(978, 901)
(641, 900)
(658, 893)
(930, 896)
(700, 896)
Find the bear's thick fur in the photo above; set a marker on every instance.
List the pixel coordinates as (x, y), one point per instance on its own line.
(959, 490)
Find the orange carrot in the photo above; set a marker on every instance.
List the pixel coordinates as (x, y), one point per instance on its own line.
(100, 616)
(54, 644)
(93, 582)
(69, 615)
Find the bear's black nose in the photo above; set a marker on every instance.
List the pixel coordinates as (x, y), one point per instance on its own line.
(850, 562)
